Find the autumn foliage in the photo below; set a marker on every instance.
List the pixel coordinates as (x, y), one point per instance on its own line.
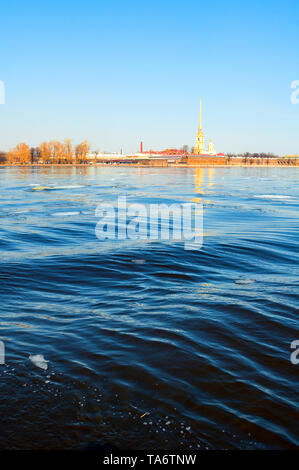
(21, 154)
(81, 151)
(54, 152)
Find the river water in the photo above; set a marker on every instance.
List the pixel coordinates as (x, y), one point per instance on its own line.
(179, 350)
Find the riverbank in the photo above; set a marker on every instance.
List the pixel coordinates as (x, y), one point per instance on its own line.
(194, 163)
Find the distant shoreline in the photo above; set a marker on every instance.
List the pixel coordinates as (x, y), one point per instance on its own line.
(158, 164)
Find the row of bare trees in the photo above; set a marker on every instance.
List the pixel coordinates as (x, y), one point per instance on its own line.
(247, 155)
(54, 152)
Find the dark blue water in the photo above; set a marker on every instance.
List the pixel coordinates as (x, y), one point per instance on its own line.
(197, 340)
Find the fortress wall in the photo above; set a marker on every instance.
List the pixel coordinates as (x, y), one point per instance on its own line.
(236, 161)
(197, 160)
(157, 162)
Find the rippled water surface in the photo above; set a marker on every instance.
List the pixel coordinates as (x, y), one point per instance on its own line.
(188, 349)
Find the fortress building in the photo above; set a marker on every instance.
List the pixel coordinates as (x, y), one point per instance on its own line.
(199, 148)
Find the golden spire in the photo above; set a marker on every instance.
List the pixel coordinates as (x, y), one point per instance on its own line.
(200, 138)
(200, 115)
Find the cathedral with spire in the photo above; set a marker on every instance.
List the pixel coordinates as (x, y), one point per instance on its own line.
(199, 148)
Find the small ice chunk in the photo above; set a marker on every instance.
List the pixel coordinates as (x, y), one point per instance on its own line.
(244, 281)
(65, 214)
(273, 196)
(39, 361)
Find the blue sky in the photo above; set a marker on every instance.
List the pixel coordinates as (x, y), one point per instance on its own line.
(119, 72)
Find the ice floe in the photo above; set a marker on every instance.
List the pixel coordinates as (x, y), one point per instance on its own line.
(64, 214)
(39, 361)
(273, 196)
(244, 281)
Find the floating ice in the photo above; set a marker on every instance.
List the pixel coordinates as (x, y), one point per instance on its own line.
(273, 196)
(74, 186)
(64, 214)
(244, 281)
(39, 361)
(41, 188)
(53, 188)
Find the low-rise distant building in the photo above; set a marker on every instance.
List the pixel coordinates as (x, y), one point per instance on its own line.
(100, 156)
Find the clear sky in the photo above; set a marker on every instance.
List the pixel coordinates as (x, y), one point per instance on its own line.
(117, 72)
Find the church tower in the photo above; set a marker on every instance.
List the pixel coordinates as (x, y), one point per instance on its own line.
(211, 148)
(200, 137)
